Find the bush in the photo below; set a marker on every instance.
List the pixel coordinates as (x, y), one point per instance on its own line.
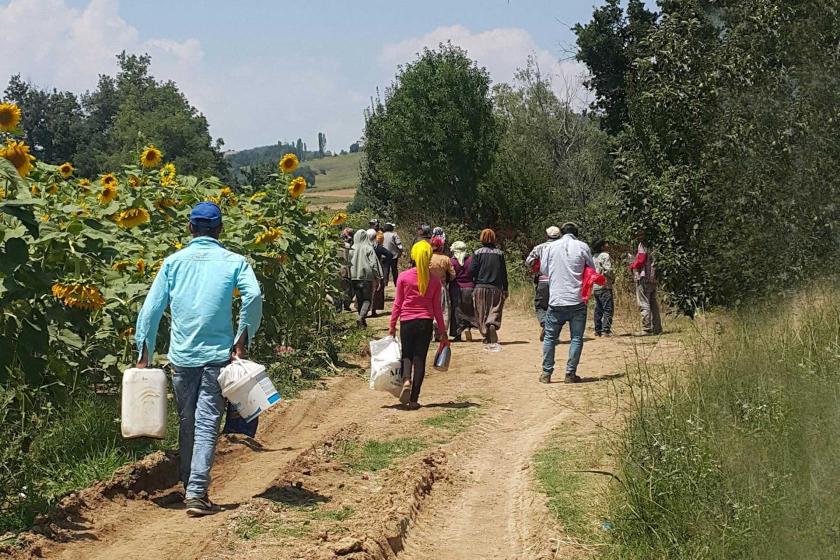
(739, 461)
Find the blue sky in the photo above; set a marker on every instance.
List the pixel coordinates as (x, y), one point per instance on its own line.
(262, 71)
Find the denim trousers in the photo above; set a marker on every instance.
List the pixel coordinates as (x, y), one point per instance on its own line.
(200, 408)
(603, 311)
(555, 318)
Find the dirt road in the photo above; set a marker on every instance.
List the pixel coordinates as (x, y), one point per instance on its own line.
(469, 493)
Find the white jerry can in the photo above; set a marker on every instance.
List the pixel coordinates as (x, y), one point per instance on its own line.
(144, 403)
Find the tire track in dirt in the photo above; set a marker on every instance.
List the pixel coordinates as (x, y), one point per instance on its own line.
(484, 505)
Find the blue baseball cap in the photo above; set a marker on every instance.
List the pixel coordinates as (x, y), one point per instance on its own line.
(206, 215)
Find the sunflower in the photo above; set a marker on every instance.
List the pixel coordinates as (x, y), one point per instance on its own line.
(35, 190)
(84, 184)
(297, 186)
(268, 236)
(127, 333)
(133, 181)
(140, 264)
(226, 192)
(18, 153)
(167, 175)
(338, 219)
(165, 202)
(178, 245)
(119, 266)
(66, 169)
(107, 194)
(288, 163)
(80, 296)
(132, 217)
(9, 116)
(109, 180)
(2, 193)
(257, 196)
(45, 217)
(151, 157)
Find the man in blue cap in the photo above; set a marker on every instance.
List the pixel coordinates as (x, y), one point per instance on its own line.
(197, 285)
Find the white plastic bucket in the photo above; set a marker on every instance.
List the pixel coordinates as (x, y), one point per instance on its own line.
(143, 405)
(251, 394)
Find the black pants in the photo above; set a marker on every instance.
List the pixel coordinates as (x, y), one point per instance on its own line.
(416, 336)
(541, 295)
(603, 311)
(395, 270)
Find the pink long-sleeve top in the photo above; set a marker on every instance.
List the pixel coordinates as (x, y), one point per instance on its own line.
(410, 304)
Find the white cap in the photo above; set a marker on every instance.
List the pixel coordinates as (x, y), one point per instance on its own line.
(553, 232)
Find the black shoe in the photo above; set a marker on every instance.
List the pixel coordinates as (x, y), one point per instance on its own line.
(457, 338)
(413, 406)
(545, 379)
(572, 379)
(197, 507)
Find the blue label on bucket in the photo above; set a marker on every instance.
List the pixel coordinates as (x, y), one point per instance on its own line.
(274, 398)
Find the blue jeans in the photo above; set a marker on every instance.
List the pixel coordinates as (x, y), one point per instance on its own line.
(555, 318)
(603, 311)
(200, 409)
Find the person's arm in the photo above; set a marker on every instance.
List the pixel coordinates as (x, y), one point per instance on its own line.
(250, 310)
(533, 259)
(641, 259)
(398, 243)
(148, 320)
(606, 264)
(450, 271)
(396, 309)
(504, 274)
(475, 266)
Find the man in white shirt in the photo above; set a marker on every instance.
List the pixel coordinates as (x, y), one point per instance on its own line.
(564, 262)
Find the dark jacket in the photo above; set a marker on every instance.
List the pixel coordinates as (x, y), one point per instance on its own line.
(488, 268)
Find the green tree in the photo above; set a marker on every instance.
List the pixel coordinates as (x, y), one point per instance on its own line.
(431, 142)
(730, 160)
(106, 127)
(552, 164)
(608, 45)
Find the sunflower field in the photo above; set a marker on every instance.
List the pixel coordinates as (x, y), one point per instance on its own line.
(78, 255)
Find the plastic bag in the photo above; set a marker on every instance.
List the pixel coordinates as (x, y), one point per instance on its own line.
(386, 365)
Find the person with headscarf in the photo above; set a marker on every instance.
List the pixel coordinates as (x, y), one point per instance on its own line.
(417, 307)
(541, 292)
(441, 268)
(385, 261)
(462, 316)
(346, 297)
(365, 272)
(489, 273)
(438, 232)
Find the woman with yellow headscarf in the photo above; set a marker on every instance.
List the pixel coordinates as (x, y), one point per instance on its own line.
(416, 307)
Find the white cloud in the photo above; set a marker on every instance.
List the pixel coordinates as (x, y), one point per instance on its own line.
(501, 51)
(251, 103)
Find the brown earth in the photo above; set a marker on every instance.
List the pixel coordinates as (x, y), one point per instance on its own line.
(468, 493)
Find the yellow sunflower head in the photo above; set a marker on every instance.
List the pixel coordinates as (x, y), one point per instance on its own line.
(150, 157)
(338, 219)
(140, 264)
(9, 116)
(18, 154)
(257, 196)
(297, 186)
(288, 163)
(107, 194)
(84, 183)
(133, 181)
(132, 217)
(120, 265)
(66, 169)
(109, 180)
(268, 236)
(80, 296)
(167, 175)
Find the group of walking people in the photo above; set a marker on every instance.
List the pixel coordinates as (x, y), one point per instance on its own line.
(566, 274)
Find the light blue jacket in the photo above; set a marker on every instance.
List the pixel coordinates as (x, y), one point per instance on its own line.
(197, 284)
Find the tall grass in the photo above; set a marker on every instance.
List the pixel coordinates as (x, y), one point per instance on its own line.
(741, 458)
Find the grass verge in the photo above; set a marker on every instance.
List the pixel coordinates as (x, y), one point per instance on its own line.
(376, 455)
(740, 459)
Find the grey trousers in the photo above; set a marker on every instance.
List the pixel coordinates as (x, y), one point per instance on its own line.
(649, 308)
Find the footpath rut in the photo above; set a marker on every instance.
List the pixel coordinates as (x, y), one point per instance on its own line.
(487, 508)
